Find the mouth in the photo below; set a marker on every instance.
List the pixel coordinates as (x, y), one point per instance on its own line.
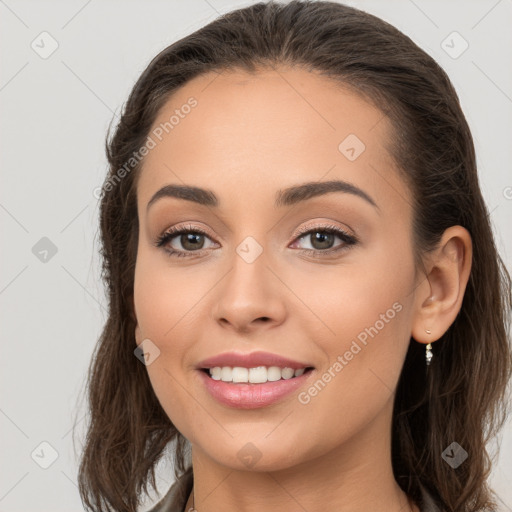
(253, 380)
(253, 388)
(254, 375)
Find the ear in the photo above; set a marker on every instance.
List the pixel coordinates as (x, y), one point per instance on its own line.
(438, 297)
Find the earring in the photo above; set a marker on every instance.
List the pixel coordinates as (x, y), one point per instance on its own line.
(428, 352)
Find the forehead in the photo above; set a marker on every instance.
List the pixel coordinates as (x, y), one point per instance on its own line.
(264, 131)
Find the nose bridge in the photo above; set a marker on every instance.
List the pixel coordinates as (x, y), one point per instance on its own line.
(250, 291)
(248, 280)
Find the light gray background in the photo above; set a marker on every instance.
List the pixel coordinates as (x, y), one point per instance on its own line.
(54, 116)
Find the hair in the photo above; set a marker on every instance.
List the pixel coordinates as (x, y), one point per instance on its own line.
(463, 395)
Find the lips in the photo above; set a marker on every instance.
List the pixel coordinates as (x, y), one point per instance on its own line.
(251, 360)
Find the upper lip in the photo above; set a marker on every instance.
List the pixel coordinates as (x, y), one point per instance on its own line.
(251, 360)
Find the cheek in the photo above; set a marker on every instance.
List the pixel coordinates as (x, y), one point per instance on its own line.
(370, 287)
(165, 295)
(167, 306)
(364, 334)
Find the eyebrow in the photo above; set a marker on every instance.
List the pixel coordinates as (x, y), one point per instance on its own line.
(286, 197)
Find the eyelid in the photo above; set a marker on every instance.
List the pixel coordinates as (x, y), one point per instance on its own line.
(301, 231)
(321, 226)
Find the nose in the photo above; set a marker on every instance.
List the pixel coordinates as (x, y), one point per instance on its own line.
(250, 297)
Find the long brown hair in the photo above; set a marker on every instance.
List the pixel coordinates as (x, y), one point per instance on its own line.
(463, 397)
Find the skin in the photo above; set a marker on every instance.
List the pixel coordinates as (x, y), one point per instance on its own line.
(249, 136)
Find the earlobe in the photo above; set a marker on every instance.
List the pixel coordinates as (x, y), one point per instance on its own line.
(439, 297)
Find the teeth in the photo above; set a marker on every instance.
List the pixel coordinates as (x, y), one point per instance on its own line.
(256, 375)
(239, 374)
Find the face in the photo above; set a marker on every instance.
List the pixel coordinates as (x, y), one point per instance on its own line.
(324, 279)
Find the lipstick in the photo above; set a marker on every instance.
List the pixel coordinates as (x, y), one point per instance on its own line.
(250, 395)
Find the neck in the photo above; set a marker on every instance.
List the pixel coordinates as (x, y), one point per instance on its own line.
(357, 476)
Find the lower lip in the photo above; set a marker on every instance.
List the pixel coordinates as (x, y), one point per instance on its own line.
(252, 396)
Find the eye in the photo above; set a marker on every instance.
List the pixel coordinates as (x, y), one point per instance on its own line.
(321, 239)
(191, 239)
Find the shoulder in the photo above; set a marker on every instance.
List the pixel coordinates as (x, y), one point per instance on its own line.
(176, 497)
(428, 502)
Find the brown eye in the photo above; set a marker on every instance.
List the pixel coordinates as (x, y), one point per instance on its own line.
(192, 241)
(322, 240)
(183, 241)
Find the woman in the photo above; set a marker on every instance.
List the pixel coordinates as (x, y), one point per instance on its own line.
(306, 302)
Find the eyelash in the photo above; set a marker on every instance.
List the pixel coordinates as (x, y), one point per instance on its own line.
(349, 240)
